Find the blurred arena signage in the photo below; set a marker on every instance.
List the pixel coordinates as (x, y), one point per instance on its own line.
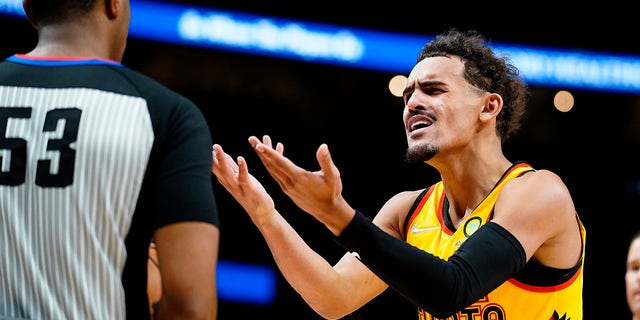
(208, 27)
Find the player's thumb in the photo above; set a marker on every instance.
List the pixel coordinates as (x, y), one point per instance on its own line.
(326, 163)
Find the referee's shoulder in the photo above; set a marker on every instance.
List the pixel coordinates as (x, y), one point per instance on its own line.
(148, 86)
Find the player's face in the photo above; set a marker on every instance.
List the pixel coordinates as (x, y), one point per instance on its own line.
(441, 108)
(632, 277)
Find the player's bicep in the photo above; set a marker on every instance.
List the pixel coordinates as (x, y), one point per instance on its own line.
(534, 208)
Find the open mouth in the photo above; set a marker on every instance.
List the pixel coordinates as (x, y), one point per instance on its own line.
(418, 122)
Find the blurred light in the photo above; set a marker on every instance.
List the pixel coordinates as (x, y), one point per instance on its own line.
(12, 7)
(563, 101)
(246, 283)
(397, 85)
(358, 48)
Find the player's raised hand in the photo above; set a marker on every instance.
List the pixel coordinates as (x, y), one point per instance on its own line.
(318, 193)
(245, 188)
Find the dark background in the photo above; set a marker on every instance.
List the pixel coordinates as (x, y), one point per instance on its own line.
(593, 147)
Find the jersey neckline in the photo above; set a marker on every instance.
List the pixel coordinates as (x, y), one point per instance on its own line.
(59, 60)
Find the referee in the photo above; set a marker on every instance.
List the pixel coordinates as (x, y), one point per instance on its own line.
(96, 161)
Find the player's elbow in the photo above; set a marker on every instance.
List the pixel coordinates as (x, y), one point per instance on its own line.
(332, 307)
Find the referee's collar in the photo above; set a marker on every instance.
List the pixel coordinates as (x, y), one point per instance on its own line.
(59, 60)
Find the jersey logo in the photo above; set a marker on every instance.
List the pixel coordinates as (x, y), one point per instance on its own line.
(471, 226)
(416, 229)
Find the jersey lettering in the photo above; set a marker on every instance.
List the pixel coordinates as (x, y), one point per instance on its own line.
(488, 312)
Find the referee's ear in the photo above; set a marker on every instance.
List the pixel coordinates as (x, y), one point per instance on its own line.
(26, 6)
(112, 8)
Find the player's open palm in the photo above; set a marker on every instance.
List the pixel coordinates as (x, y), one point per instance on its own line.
(318, 193)
(244, 187)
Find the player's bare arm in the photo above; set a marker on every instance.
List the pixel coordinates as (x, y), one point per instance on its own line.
(538, 210)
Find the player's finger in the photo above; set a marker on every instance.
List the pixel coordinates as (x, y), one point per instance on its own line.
(266, 140)
(222, 162)
(280, 167)
(331, 172)
(243, 172)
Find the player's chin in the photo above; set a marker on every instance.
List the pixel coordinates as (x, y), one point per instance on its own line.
(420, 152)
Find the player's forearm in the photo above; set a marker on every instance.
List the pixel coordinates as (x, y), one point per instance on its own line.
(305, 270)
(335, 214)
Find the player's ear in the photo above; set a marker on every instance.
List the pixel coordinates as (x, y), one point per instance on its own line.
(492, 105)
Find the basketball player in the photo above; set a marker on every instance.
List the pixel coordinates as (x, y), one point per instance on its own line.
(632, 277)
(96, 160)
(494, 239)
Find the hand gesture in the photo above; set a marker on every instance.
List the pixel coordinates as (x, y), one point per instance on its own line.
(318, 193)
(244, 187)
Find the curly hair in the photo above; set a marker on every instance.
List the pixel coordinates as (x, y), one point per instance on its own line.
(54, 11)
(486, 71)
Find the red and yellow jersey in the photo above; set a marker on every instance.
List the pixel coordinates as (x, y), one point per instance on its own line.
(517, 298)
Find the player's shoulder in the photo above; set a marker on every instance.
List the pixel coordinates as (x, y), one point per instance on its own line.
(401, 202)
(537, 178)
(393, 214)
(541, 186)
(408, 195)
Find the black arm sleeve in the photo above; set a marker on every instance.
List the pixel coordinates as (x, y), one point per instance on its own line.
(484, 261)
